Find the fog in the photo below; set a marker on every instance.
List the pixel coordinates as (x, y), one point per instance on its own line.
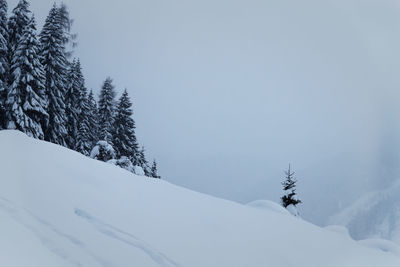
(228, 93)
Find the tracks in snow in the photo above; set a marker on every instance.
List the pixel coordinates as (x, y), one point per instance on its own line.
(56, 240)
(127, 238)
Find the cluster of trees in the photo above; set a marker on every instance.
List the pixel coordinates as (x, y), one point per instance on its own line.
(43, 93)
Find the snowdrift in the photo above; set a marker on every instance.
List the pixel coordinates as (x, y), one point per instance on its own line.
(59, 208)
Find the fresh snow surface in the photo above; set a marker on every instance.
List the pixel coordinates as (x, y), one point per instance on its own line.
(268, 205)
(60, 208)
(338, 229)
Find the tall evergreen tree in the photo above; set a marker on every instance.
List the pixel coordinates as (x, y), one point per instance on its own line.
(289, 187)
(26, 104)
(106, 111)
(124, 138)
(93, 120)
(154, 171)
(54, 61)
(19, 19)
(4, 62)
(142, 162)
(83, 138)
(71, 99)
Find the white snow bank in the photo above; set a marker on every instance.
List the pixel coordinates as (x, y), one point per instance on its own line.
(382, 244)
(268, 205)
(59, 208)
(338, 229)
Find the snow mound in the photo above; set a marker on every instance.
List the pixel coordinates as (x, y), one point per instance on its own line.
(138, 170)
(382, 244)
(268, 205)
(60, 208)
(293, 210)
(338, 229)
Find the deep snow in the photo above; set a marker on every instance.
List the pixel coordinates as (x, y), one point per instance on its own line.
(59, 208)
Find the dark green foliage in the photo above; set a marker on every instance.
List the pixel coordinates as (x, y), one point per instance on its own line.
(83, 140)
(76, 104)
(124, 138)
(16, 24)
(106, 111)
(26, 104)
(142, 162)
(4, 62)
(153, 171)
(71, 100)
(289, 187)
(55, 64)
(103, 151)
(93, 120)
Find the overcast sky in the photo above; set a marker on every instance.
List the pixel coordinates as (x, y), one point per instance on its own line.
(227, 92)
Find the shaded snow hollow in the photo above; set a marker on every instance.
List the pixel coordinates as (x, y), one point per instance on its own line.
(59, 208)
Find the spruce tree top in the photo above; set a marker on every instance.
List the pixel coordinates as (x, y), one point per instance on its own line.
(3, 40)
(124, 137)
(54, 61)
(289, 187)
(26, 97)
(18, 21)
(154, 171)
(106, 110)
(4, 61)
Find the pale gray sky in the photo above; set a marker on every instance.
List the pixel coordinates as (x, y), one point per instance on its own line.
(228, 92)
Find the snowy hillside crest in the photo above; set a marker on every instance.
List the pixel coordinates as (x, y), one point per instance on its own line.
(65, 209)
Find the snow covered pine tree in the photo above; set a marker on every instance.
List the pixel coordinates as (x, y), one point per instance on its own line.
(83, 136)
(143, 163)
(124, 138)
(53, 58)
(93, 120)
(19, 19)
(26, 104)
(106, 111)
(289, 187)
(103, 151)
(71, 98)
(4, 62)
(154, 171)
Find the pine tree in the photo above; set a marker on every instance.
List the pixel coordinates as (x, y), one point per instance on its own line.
(103, 151)
(289, 187)
(153, 170)
(18, 21)
(93, 120)
(54, 61)
(83, 139)
(124, 138)
(83, 142)
(4, 62)
(71, 100)
(26, 104)
(106, 111)
(142, 162)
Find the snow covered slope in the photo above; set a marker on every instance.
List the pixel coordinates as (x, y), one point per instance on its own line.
(374, 215)
(59, 208)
